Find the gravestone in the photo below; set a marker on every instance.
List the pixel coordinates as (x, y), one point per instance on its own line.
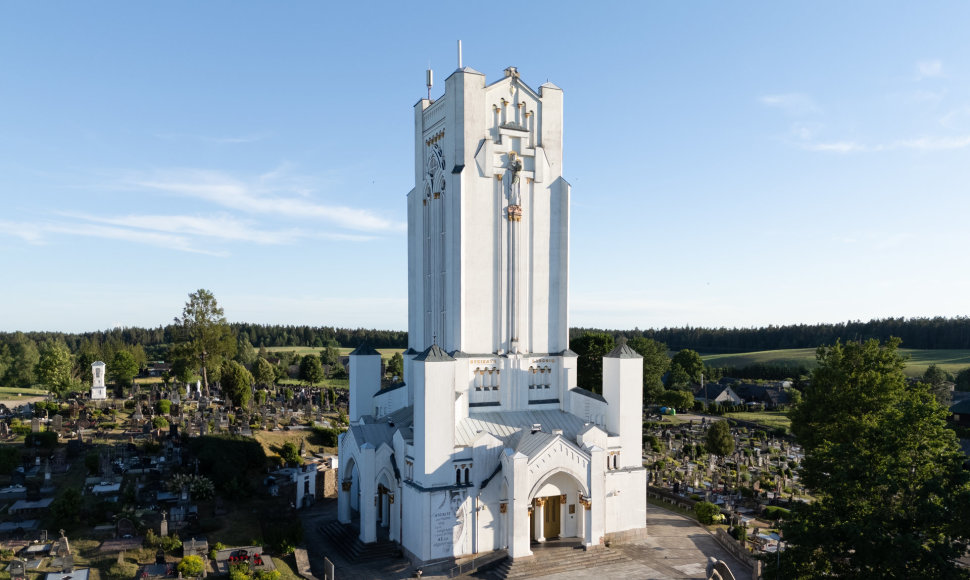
(35, 425)
(17, 569)
(57, 422)
(4, 429)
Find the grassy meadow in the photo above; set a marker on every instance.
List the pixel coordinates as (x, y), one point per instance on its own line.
(918, 360)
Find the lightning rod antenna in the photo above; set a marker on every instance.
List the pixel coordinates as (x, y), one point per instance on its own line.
(429, 80)
(459, 54)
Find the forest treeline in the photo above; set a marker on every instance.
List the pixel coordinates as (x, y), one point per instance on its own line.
(929, 333)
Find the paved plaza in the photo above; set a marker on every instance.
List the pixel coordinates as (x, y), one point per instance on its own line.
(677, 547)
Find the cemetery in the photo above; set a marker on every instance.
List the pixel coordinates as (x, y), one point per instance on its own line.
(744, 491)
(167, 482)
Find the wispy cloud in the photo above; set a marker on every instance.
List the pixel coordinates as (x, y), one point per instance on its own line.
(219, 140)
(223, 227)
(837, 147)
(38, 232)
(791, 103)
(918, 144)
(928, 69)
(262, 196)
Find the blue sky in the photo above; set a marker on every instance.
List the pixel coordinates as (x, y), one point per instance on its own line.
(733, 164)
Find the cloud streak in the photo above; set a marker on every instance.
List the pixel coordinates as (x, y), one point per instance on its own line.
(798, 104)
(918, 144)
(926, 69)
(262, 197)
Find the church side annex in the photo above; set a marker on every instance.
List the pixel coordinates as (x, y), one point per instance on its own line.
(487, 443)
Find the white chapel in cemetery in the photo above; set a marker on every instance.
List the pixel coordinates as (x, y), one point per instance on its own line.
(487, 443)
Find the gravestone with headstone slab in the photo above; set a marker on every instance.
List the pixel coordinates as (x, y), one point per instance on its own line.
(35, 425)
(17, 569)
(57, 422)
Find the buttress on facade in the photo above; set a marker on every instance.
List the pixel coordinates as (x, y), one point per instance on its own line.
(486, 442)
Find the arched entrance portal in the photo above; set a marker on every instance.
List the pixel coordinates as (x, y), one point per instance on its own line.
(348, 504)
(557, 508)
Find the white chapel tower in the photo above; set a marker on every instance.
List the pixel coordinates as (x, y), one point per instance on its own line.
(488, 443)
(98, 390)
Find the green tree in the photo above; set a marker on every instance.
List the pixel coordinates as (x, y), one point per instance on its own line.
(236, 383)
(719, 440)
(54, 368)
(163, 406)
(591, 348)
(203, 334)
(291, 454)
(311, 371)
(395, 367)
(65, 510)
(891, 494)
(682, 400)
(677, 378)
(963, 380)
(123, 368)
(330, 356)
(263, 372)
(655, 364)
(938, 381)
(245, 352)
(690, 362)
(23, 357)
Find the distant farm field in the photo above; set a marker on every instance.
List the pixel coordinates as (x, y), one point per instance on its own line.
(952, 361)
(305, 350)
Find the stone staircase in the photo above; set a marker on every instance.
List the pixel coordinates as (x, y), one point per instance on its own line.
(552, 558)
(346, 542)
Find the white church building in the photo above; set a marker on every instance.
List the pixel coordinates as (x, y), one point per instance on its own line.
(487, 443)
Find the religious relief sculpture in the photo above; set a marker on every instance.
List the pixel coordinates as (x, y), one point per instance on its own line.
(514, 167)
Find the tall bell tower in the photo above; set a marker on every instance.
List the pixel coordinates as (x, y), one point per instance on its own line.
(488, 219)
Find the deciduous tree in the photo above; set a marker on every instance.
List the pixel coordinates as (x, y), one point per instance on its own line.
(54, 368)
(123, 368)
(891, 494)
(591, 348)
(263, 372)
(690, 362)
(655, 364)
(311, 370)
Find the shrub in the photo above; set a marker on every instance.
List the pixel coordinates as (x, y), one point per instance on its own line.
(191, 566)
(706, 511)
(123, 571)
(775, 513)
(215, 549)
(327, 436)
(268, 575)
(44, 439)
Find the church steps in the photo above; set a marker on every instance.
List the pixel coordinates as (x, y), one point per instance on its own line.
(555, 560)
(345, 540)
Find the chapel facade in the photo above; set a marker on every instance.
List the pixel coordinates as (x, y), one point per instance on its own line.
(487, 443)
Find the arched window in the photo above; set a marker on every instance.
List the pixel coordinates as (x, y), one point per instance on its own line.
(458, 476)
(467, 471)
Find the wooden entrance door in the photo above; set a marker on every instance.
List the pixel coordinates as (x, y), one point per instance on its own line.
(551, 517)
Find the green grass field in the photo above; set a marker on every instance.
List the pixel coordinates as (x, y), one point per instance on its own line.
(305, 350)
(952, 361)
(6, 392)
(770, 419)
